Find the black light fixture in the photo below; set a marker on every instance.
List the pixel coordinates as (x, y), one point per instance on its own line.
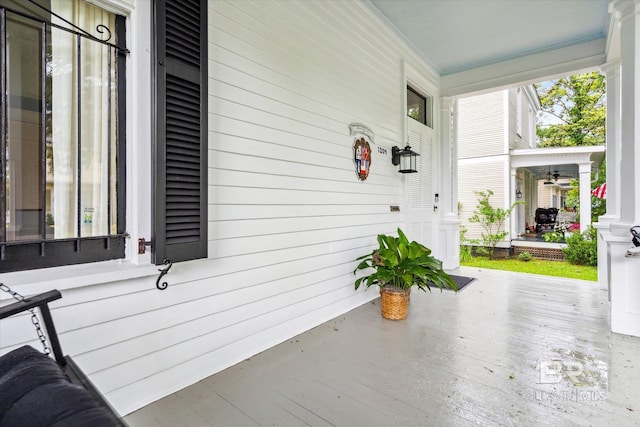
(404, 158)
(518, 194)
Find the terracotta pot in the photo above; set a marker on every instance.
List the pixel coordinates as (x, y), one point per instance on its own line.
(394, 303)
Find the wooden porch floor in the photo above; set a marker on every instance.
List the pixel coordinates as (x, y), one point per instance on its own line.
(472, 358)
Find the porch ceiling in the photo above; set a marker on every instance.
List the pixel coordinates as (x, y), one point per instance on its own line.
(462, 35)
(563, 161)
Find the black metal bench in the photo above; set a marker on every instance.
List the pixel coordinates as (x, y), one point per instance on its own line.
(35, 390)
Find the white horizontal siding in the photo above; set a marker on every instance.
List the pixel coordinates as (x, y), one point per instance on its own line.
(287, 214)
(481, 125)
(480, 175)
(284, 48)
(546, 193)
(515, 140)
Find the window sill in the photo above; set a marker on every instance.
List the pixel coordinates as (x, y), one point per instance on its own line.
(76, 276)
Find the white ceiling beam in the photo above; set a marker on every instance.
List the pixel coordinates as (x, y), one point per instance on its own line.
(526, 70)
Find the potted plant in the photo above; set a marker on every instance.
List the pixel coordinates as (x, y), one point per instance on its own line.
(398, 265)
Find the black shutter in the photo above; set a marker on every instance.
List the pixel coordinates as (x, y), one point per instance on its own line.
(180, 149)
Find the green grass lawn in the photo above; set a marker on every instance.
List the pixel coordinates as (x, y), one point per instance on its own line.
(536, 266)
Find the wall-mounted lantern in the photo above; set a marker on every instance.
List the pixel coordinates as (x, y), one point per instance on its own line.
(518, 194)
(404, 158)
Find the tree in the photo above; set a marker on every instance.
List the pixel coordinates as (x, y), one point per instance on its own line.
(573, 111)
(491, 220)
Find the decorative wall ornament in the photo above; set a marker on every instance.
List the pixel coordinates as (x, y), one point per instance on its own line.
(357, 128)
(361, 149)
(362, 157)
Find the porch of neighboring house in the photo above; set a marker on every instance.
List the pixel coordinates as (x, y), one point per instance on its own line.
(563, 223)
(538, 248)
(472, 358)
(541, 177)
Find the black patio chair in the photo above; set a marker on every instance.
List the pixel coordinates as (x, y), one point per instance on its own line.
(546, 219)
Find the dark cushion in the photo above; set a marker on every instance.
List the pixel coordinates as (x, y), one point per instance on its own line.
(35, 392)
(546, 215)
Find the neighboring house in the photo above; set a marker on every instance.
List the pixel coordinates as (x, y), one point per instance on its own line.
(489, 127)
(213, 138)
(497, 151)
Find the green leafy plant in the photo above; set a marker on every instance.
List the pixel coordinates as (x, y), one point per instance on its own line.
(525, 256)
(465, 247)
(554, 237)
(401, 264)
(582, 248)
(492, 221)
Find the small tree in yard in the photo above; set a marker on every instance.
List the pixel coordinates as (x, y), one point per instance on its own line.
(491, 220)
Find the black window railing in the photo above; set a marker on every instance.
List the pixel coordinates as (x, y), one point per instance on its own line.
(62, 139)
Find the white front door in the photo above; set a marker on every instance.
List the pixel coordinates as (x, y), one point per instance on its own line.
(420, 205)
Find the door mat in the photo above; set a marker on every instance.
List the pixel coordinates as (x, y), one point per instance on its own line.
(461, 281)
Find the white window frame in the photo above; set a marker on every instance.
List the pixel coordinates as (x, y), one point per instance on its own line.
(138, 171)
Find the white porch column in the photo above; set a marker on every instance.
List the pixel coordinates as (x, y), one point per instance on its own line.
(513, 233)
(624, 272)
(613, 139)
(449, 224)
(628, 13)
(584, 170)
(612, 72)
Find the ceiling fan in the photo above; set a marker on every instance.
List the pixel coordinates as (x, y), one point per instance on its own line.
(555, 175)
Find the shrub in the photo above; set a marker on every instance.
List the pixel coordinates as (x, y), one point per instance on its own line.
(465, 248)
(554, 236)
(582, 248)
(525, 256)
(491, 220)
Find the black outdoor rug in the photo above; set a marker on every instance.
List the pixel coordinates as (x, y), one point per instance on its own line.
(461, 281)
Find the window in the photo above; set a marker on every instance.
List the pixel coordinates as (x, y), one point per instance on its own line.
(62, 141)
(419, 107)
